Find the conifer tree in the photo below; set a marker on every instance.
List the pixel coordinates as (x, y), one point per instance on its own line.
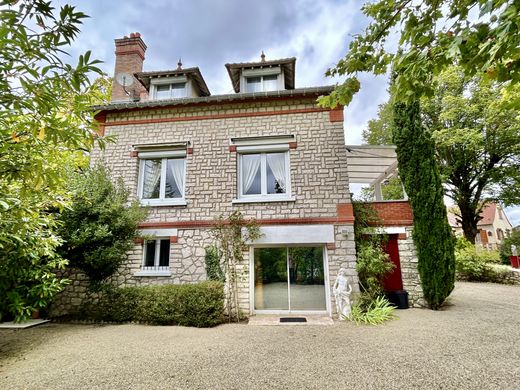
(420, 175)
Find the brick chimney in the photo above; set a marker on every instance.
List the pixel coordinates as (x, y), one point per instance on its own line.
(129, 60)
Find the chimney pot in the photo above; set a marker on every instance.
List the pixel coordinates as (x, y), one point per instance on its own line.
(132, 35)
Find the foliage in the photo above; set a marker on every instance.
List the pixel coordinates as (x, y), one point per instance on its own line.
(99, 227)
(481, 36)
(505, 249)
(231, 235)
(432, 234)
(478, 265)
(391, 189)
(379, 130)
(44, 126)
(213, 269)
(200, 305)
(477, 141)
(375, 312)
(373, 264)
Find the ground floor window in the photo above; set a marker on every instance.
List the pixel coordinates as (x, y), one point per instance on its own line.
(156, 255)
(289, 278)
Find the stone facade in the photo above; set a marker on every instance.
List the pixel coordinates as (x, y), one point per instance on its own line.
(317, 171)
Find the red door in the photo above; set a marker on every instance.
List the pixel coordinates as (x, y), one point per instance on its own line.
(394, 281)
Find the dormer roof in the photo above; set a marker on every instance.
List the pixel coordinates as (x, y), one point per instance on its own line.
(286, 64)
(193, 73)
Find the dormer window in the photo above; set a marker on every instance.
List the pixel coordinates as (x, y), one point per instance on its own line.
(169, 88)
(170, 91)
(262, 83)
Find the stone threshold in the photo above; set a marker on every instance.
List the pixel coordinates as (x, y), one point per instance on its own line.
(22, 325)
(274, 320)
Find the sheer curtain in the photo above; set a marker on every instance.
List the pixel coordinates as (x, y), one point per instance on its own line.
(250, 166)
(176, 167)
(276, 162)
(152, 175)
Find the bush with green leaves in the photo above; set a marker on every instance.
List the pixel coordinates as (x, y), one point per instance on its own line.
(373, 264)
(200, 305)
(505, 249)
(212, 260)
(476, 264)
(99, 227)
(371, 311)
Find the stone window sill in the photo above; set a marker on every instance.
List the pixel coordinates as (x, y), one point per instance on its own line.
(262, 200)
(153, 273)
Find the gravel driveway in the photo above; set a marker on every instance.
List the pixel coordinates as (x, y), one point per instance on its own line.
(473, 343)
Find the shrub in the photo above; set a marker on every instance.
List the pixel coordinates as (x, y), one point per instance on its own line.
(371, 312)
(477, 265)
(199, 305)
(373, 264)
(99, 227)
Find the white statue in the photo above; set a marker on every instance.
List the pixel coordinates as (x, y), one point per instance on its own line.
(513, 250)
(341, 291)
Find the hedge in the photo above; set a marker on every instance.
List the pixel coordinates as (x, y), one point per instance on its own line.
(200, 305)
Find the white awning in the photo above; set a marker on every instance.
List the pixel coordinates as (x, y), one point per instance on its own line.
(371, 163)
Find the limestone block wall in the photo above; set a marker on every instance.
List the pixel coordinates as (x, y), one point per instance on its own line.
(409, 271)
(319, 178)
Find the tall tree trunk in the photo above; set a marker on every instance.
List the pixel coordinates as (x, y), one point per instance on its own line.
(432, 234)
(469, 219)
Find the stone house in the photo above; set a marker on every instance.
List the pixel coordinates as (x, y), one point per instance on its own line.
(266, 150)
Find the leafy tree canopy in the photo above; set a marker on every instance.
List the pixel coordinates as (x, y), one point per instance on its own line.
(481, 36)
(44, 128)
(476, 131)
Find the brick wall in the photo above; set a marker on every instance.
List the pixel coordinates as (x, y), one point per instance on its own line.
(394, 213)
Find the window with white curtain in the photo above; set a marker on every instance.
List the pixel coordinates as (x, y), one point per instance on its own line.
(264, 175)
(162, 180)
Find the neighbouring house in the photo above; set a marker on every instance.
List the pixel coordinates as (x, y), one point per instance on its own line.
(268, 151)
(493, 228)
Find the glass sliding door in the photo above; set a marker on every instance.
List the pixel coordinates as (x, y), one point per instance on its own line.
(307, 279)
(271, 292)
(289, 279)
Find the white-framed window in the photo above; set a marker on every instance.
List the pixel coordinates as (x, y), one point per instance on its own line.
(170, 91)
(262, 83)
(264, 175)
(169, 88)
(156, 257)
(162, 178)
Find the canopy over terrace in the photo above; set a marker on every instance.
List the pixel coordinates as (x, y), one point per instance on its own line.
(371, 164)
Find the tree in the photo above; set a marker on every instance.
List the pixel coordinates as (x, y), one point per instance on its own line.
(99, 227)
(432, 36)
(477, 141)
(480, 36)
(379, 130)
(432, 235)
(44, 127)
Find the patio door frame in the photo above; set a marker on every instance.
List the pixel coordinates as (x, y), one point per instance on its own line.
(326, 286)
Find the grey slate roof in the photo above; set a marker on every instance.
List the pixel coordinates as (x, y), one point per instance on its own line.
(312, 91)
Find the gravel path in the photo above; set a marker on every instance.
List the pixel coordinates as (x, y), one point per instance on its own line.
(473, 343)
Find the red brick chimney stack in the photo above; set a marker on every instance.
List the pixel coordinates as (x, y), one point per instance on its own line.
(129, 60)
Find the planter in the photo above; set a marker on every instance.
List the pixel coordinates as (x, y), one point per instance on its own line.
(398, 298)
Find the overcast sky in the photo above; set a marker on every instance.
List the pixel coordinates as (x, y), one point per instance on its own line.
(209, 33)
